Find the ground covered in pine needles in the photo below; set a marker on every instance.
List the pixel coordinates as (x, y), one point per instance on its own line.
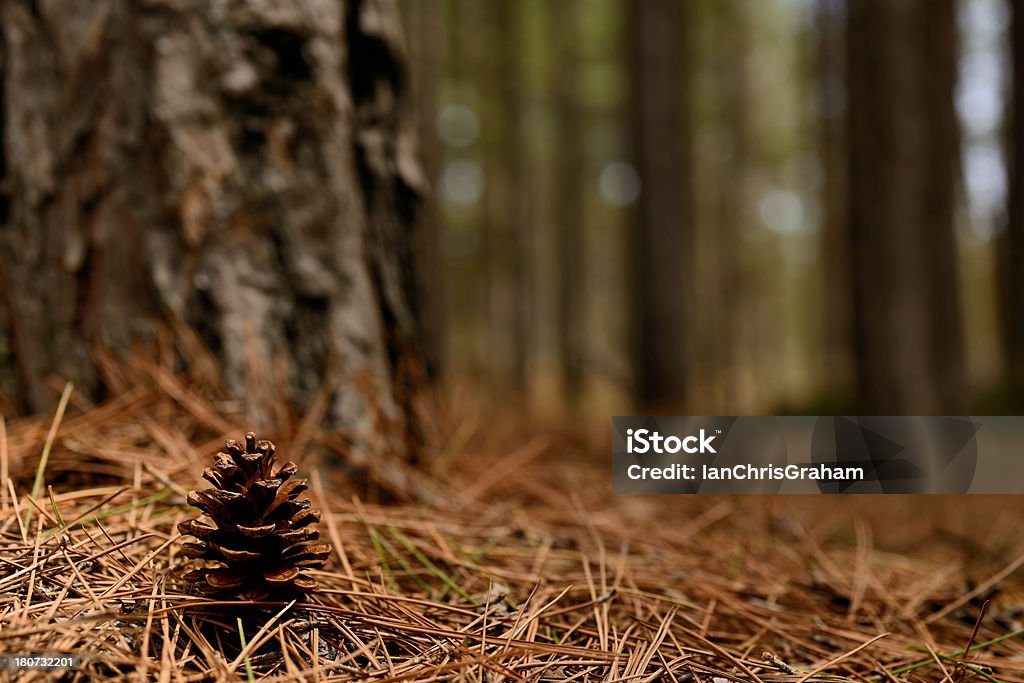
(512, 561)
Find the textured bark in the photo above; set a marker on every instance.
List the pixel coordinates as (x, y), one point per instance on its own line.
(902, 154)
(661, 237)
(243, 167)
(1012, 251)
(570, 240)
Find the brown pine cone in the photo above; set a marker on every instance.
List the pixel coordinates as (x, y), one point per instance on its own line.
(256, 534)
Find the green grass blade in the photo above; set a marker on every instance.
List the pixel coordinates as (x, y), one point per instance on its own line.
(953, 656)
(382, 557)
(53, 506)
(37, 485)
(431, 567)
(127, 507)
(248, 664)
(402, 561)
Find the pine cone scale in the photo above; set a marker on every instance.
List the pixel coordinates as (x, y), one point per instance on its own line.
(222, 579)
(281, 576)
(285, 493)
(256, 531)
(232, 555)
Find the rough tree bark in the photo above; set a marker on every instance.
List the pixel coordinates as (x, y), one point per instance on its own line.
(1012, 252)
(907, 337)
(660, 239)
(245, 168)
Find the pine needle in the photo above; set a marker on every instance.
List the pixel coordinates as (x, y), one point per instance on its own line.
(517, 587)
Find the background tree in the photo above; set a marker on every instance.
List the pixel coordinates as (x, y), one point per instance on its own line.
(660, 241)
(248, 181)
(907, 337)
(1012, 252)
(513, 200)
(828, 87)
(571, 243)
(243, 170)
(730, 293)
(425, 28)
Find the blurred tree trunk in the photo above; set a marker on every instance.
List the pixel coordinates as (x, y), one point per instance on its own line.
(1012, 251)
(245, 170)
(730, 305)
(907, 337)
(471, 64)
(660, 239)
(570, 240)
(514, 219)
(835, 306)
(426, 32)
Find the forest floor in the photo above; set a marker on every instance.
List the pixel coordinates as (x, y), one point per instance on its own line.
(519, 566)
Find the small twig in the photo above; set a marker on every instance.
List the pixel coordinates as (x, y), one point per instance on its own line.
(974, 632)
(771, 660)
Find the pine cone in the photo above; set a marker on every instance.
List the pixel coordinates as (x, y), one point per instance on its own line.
(255, 531)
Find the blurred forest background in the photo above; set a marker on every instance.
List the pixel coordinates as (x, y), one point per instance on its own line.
(725, 206)
(577, 207)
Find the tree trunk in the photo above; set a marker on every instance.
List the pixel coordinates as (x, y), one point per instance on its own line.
(426, 33)
(835, 293)
(907, 337)
(245, 168)
(726, 349)
(1012, 251)
(661, 237)
(514, 219)
(570, 243)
